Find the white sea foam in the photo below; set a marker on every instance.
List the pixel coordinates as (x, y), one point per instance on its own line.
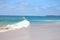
(19, 25)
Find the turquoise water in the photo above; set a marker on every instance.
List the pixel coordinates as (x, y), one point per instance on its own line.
(4, 20)
(43, 19)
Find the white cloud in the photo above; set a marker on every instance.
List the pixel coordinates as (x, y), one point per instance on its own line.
(22, 7)
(9, 8)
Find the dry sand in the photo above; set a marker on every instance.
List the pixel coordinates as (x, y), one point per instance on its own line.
(48, 31)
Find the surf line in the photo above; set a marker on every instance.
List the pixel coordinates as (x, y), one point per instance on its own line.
(22, 24)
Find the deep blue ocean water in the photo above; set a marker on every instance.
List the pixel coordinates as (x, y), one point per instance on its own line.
(4, 20)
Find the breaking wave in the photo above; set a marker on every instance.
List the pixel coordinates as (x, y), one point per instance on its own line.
(19, 25)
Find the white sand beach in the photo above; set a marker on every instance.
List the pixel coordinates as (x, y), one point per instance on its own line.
(47, 31)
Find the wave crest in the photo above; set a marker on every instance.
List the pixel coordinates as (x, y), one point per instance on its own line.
(19, 25)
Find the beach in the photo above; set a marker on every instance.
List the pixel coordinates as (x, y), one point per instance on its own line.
(45, 31)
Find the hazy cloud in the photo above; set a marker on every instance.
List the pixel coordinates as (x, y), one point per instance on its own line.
(23, 7)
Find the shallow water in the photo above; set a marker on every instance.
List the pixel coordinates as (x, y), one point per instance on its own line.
(5, 20)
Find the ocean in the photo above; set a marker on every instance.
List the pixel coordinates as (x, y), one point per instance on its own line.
(50, 30)
(5, 20)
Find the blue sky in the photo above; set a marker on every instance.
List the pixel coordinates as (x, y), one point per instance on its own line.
(30, 7)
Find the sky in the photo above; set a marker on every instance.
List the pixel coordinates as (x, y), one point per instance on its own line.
(30, 7)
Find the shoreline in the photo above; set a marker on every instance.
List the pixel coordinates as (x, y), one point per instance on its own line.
(47, 23)
(47, 31)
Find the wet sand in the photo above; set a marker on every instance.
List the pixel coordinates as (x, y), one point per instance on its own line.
(47, 31)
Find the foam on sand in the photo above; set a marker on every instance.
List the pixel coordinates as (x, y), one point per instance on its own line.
(22, 24)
